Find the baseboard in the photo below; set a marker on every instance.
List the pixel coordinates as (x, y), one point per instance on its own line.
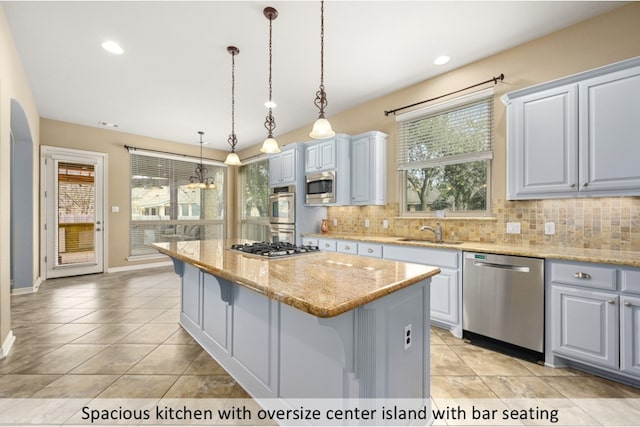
(27, 289)
(7, 344)
(140, 266)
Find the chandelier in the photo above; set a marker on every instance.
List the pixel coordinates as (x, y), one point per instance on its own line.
(322, 127)
(232, 158)
(201, 180)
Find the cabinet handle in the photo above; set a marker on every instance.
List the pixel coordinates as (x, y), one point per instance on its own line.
(326, 245)
(580, 275)
(347, 247)
(572, 185)
(627, 304)
(370, 250)
(584, 184)
(611, 301)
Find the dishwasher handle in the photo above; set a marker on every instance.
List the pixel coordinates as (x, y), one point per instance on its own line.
(518, 268)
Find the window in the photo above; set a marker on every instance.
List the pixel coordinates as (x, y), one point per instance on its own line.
(254, 182)
(444, 153)
(164, 209)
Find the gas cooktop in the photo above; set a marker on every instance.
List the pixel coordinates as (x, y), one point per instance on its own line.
(273, 249)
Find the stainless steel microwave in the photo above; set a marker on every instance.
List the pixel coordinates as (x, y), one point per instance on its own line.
(321, 187)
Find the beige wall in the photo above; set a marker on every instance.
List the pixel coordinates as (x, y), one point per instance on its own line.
(607, 38)
(68, 135)
(606, 223)
(13, 85)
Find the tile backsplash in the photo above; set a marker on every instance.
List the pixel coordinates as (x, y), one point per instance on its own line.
(597, 223)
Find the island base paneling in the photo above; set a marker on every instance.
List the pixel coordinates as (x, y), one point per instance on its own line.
(379, 350)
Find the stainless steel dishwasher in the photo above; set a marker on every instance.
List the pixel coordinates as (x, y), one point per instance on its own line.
(503, 298)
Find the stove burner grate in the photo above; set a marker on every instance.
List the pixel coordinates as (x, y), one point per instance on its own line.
(273, 249)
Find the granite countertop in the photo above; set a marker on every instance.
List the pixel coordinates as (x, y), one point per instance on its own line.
(324, 284)
(602, 256)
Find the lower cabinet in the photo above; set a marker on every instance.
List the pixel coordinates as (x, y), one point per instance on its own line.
(373, 250)
(630, 335)
(585, 325)
(592, 318)
(446, 287)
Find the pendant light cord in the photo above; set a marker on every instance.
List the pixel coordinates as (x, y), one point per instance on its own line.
(233, 140)
(270, 121)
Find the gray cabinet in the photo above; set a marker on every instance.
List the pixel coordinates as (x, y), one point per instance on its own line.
(369, 169)
(593, 317)
(446, 287)
(609, 133)
(576, 136)
(543, 143)
(585, 325)
(320, 156)
(630, 335)
(283, 167)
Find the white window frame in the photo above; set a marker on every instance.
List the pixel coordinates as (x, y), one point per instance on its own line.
(486, 156)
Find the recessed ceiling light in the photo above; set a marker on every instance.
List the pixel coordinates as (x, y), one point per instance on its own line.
(441, 60)
(107, 124)
(112, 47)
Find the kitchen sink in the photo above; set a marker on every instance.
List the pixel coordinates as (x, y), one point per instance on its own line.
(418, 240)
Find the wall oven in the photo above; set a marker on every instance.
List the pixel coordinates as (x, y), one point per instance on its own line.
(283, 233)
(282, 205)
(321, 187)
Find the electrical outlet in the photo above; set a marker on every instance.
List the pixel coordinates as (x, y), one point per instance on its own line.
(366, 223)
(513, 228)
(115, 209)
(549, 228)
(335, 222)
(407, 337)
(385, 223)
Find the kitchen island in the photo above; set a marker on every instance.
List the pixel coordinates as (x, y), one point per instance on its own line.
(308, 326)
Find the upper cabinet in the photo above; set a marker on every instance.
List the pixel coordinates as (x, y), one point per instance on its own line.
(577, 136)
(283, 166)
(369, 169)
(320, 156)
(326, 154)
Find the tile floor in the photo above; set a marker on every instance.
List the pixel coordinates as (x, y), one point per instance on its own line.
(117, 336)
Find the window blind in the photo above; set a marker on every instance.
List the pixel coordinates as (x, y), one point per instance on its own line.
(457, 131)
(164, 208)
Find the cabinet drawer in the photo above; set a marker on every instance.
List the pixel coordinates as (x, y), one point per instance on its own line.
(327, 245)
(347, 247)
(370, 249)
(630, 281)
(309, 241)
(590, 276)
(436, 257)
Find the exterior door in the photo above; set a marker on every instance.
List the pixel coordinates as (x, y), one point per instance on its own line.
(73, 217)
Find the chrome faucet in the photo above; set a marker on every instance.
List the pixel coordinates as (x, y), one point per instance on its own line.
(437, 231)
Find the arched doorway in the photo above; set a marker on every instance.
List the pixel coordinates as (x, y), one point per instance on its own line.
(22, 201)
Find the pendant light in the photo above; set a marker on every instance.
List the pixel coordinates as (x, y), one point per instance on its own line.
(322, 127)
(270, 145)
(232, 157)
(201, 180)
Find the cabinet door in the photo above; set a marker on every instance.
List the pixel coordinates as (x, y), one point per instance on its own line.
(327, 155)
(275, 169)
(630, 335)
(542, 144)
(288, 167)
(444, 296)
(609, 133)
(360, 171)
(585, 325)
(312, 158)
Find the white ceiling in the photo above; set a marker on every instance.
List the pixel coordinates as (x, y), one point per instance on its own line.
(174, 78)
